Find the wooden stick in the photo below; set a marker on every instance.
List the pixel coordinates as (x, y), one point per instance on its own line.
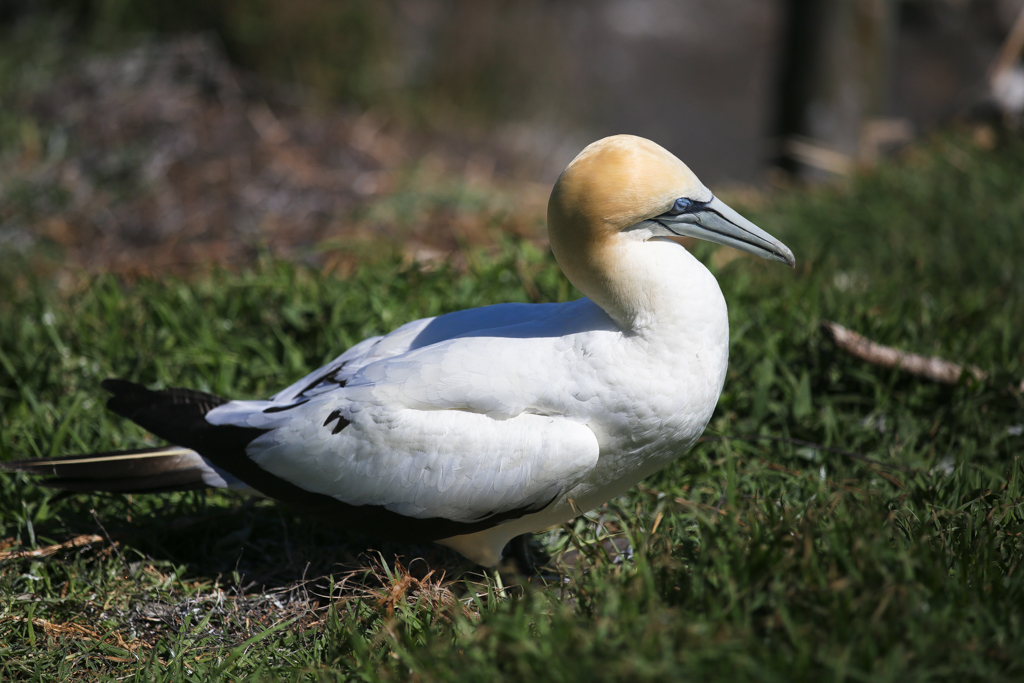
(930, 367)
(77, 542)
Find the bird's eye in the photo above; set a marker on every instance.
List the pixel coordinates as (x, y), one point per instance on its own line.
(682, 205)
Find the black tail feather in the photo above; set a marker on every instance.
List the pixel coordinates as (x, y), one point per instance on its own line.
(179, 416)
(150, 470)
(176, 414)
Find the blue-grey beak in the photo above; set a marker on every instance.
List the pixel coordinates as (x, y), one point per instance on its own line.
(714, 221)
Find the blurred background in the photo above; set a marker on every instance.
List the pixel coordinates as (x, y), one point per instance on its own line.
(143, 136)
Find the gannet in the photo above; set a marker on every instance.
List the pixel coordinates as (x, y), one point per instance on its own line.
(471, 428)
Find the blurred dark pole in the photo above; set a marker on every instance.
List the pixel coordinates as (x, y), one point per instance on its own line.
(834, 78)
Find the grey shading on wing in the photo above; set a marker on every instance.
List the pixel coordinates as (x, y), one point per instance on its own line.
(415, 335)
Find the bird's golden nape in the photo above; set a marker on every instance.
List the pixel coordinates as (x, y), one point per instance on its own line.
(615, 183)
(622, 182)
(624, 190)
(612, 185)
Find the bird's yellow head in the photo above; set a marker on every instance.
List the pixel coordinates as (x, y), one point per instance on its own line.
(624, 189)
(615, 183)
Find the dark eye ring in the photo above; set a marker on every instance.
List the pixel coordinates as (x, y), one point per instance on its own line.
(682, 205)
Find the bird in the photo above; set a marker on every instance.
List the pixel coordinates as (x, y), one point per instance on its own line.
(471, 428)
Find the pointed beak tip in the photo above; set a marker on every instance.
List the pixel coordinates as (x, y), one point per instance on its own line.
(785, 255)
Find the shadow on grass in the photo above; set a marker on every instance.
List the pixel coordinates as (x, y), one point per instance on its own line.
(250, 546)
(156, 575)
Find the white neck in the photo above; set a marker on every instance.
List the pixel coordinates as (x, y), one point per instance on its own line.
(652, 287)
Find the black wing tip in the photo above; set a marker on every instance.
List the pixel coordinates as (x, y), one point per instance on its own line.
(120, 387)
(126, 397)
(133, 400)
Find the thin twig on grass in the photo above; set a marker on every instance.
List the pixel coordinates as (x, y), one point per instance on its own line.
(77, 632)
(930, 367)
(76, 542)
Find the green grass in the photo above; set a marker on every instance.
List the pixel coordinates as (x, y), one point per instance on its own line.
(771, 560)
